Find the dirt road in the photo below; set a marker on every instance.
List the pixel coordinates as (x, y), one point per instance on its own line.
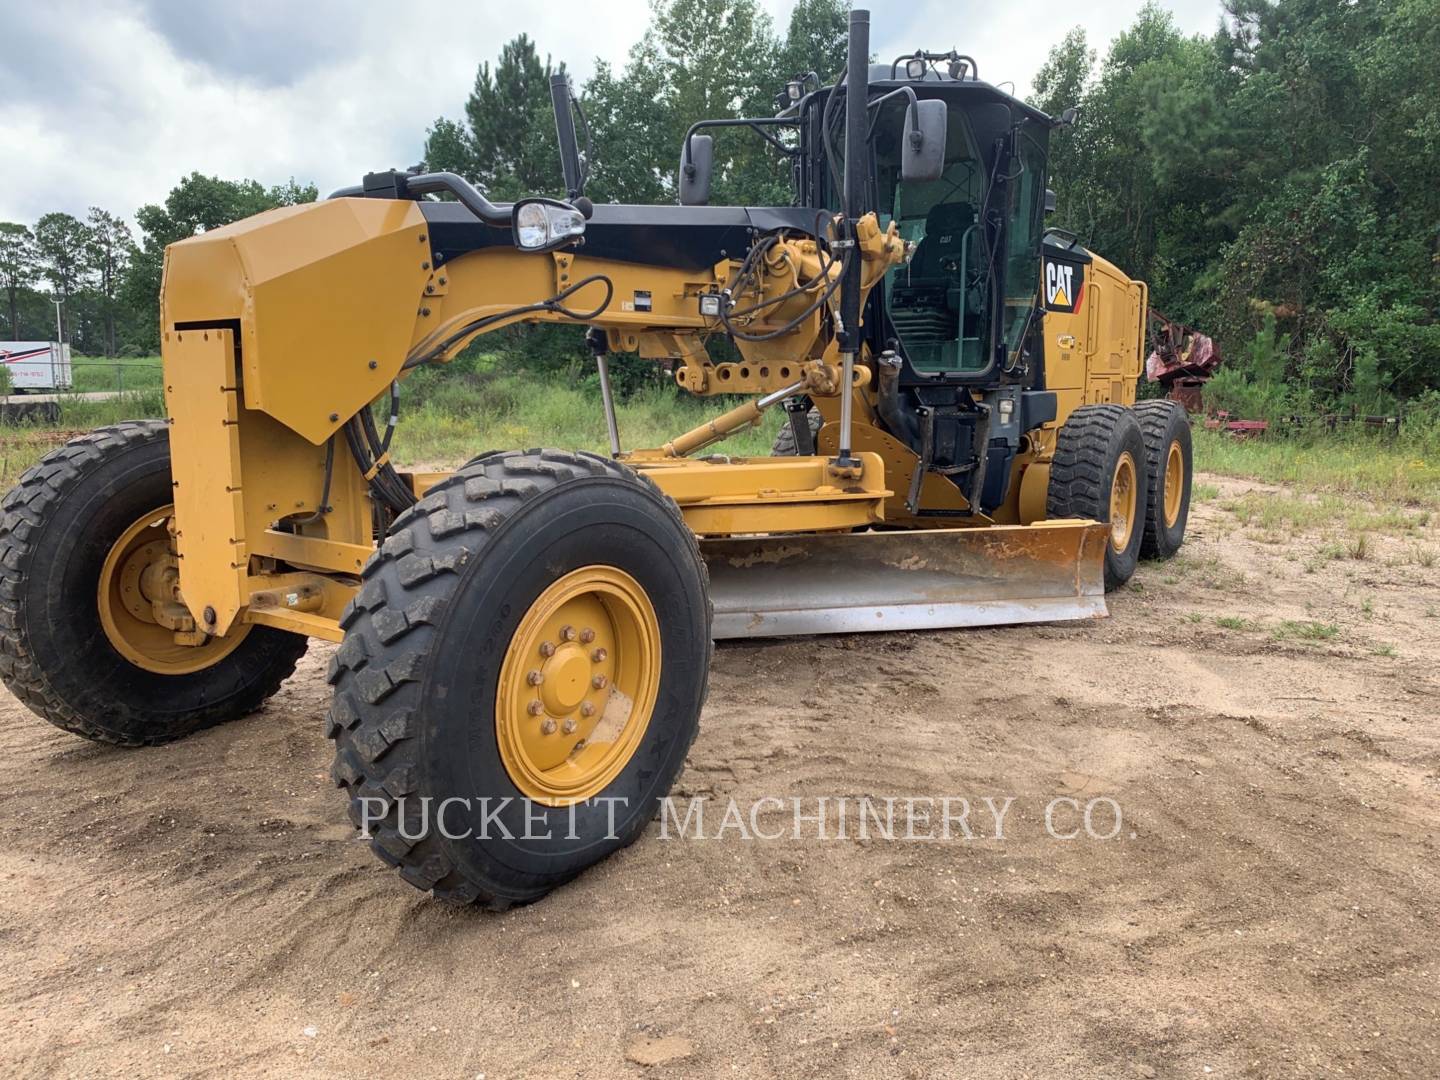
(1266, 716)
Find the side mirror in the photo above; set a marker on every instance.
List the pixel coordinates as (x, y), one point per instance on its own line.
(1049, 201)
(922, 151)
(697, 157)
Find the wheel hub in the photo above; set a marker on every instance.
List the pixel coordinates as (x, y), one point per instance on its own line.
(140, 608)
(566, 679)
(1123, 490)
(577, 685)
(1174, 483)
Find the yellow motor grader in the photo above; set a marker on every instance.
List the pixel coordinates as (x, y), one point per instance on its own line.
(523, 643)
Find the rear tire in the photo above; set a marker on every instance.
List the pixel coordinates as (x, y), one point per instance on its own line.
(1099, 473)
(784, 445)
(425, 687)
(1169, 467)
(60, 523)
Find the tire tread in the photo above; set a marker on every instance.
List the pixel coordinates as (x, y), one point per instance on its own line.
(392, 618)
(1080, 471)
(22, 512)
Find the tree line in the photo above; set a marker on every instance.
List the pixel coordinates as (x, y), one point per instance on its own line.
(1277, 181)
(106, 281)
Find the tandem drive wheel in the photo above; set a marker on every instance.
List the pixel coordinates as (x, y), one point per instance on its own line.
(521, 676)
(87, 576)
(1100, 472)
(1169, 466)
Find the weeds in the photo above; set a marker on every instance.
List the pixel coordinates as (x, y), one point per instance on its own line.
(125, 374)
(1281, 515)
(1208, 571)
(1398, 472)
(1304, 630)
(449, 416)
(452, 416)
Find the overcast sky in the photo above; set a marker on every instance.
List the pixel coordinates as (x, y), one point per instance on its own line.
(110, 102)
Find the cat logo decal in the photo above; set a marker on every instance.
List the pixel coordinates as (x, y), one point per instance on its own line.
(1064, 286)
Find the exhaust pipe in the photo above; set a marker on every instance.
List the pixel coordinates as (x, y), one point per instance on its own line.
(857, 122)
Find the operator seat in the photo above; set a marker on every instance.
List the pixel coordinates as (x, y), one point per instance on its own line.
(928, 295)
(937, 258)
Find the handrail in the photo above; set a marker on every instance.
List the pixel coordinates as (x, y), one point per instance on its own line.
(755, 123)
(466, 193)
(931, 57)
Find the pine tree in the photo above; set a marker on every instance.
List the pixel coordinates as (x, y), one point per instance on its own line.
(108, 248)
(18, 266)
(60, 242)
(506, 143)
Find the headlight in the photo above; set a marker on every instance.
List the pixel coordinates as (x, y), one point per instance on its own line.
(544, 223)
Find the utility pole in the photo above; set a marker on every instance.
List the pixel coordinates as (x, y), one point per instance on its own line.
(59, 329)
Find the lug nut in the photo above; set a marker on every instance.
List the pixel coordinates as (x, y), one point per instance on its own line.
(547, 649)
(534, 708)
(569, 726)
(535, 678)
(567, 633)
(586, 636)
(599, 656)
(587, 709)
(598, 682)
(548, 727)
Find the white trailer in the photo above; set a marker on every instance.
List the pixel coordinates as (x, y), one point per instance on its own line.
(36, 365)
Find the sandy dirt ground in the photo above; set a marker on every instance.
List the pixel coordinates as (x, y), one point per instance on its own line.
(1268, 907)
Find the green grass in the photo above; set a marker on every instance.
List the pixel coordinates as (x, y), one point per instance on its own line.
(1206, 571)
(447, 417)
(93, 373)
(1304, 630)
(1279, 515)
(1301, 630)
(450, 416)
(1233, 622)
(1202, 492)
(1405, 471)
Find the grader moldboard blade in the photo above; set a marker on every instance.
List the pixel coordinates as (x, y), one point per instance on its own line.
(845, 583)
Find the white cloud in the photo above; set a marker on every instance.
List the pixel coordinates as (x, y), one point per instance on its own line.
(110, 102)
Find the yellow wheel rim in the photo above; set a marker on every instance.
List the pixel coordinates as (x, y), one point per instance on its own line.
(1123, 490)
(1174, 483)
(126, 612)
(578, 685)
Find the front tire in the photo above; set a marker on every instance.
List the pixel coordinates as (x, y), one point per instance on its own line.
(531, 642)
(73, 651)
(1099, 473)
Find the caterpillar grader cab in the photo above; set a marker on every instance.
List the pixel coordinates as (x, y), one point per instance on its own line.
(522, 644)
